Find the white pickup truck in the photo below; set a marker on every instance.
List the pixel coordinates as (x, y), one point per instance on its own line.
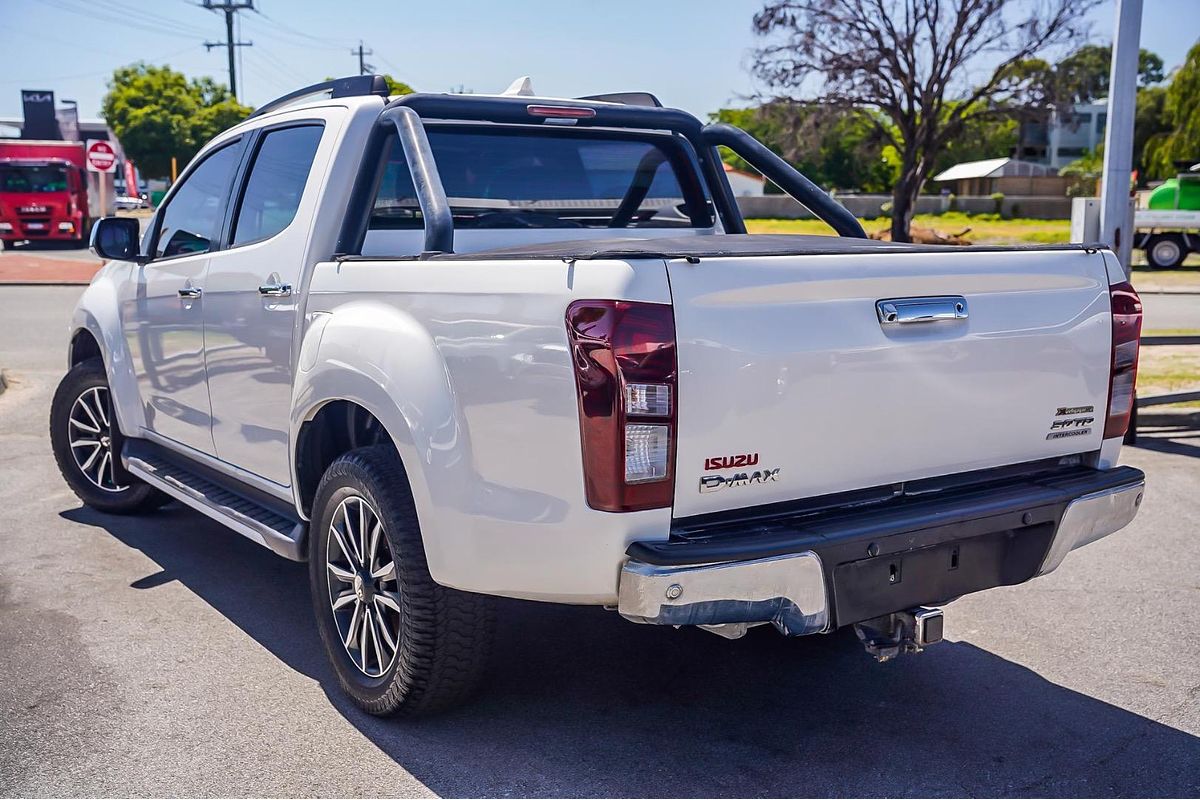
(447, 347)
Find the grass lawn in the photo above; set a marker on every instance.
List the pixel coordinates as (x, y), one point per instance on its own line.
(985, 228)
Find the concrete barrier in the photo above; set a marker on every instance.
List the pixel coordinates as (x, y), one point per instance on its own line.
(870, 206)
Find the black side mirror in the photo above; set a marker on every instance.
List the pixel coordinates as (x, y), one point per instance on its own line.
(116, 238)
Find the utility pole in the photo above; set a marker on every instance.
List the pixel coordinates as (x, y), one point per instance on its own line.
(363, 67)
(1118, 134)
(230, 7)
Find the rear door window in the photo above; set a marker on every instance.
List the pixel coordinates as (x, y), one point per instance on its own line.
(560, 179)
(276, 183)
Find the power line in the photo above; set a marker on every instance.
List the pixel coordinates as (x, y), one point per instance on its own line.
(230, 7)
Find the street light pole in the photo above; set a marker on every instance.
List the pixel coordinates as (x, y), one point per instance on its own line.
(1118, 133)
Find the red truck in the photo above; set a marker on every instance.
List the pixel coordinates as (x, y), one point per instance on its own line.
(46, 193)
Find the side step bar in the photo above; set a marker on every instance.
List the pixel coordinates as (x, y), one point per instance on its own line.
(250, 518)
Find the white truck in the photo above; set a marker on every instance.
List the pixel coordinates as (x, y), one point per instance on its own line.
(1167, 226)
(448, 347)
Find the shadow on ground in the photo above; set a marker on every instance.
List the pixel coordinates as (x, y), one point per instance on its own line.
(1180, 440)
(582, 703)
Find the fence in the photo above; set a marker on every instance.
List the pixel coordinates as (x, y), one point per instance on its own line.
(1162, 399)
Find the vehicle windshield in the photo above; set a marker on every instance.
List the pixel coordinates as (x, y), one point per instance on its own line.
(33, 179)
(517, 178)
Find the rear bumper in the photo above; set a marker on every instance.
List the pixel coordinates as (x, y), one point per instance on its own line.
(820, 570)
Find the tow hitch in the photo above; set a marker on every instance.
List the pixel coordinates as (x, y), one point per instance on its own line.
(908, 631)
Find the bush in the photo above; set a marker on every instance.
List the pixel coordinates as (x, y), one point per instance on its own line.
(953, 200)
(998, 199)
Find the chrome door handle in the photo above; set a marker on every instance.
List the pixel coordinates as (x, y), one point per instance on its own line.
(275, 290)
(191, 292)
(905, 310)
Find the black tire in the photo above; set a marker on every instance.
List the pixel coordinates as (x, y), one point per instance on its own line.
(127, 495)
(1165, 250)
(443, 636)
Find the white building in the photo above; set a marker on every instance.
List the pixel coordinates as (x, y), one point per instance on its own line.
(744, 184)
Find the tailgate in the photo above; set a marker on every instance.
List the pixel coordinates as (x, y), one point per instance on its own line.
(791, 385)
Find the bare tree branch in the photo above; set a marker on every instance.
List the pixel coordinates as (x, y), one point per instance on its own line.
(908, 66)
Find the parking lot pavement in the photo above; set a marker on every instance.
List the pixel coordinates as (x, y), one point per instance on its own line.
(165, 655)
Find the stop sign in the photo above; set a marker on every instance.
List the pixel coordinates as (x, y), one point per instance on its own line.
(100, 156)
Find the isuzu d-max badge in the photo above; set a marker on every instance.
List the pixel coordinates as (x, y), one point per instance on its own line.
(714, 483)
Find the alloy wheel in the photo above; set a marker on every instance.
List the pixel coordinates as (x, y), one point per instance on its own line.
(364, 595)
(89, 432)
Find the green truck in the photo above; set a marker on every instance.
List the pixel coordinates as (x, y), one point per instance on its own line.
(1168, 228)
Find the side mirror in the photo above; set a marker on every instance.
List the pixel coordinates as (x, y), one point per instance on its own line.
(116, 238)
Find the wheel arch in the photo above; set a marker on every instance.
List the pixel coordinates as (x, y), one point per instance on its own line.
(378, 365)
(96, 331)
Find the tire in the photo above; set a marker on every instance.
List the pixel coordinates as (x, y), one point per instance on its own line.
(441, 636)
(96, 444)
(1165, 251)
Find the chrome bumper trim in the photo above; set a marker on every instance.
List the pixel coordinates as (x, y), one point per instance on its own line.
(1092, 517)
(787, 591)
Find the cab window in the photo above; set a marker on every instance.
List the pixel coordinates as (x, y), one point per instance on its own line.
(276, 182)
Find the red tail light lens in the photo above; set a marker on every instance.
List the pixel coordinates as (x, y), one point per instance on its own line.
(1126, 333)
(624, 358)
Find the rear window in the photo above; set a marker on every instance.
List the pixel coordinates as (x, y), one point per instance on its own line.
(558, 179)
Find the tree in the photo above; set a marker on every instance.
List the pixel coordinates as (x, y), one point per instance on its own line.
(1181, 115)
(1082, 77)
(396, 87)
(906, 67)
(157, 113)
(830, 147)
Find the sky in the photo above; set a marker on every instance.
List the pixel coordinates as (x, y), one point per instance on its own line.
(693, 54)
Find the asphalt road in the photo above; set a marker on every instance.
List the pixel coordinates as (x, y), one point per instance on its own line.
(164, 655)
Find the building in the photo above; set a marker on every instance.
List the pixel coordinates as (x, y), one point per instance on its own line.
(1063, 137)
(1007, 176)
(744, 184)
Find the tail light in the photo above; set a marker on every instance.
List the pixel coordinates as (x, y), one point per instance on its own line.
(1126, 332)
(624, 358)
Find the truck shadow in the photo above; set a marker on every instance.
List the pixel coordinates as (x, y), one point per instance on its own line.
(581, 703)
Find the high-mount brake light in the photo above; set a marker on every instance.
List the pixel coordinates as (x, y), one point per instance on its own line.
(1126, 334)
(561, 112)
(624, 359)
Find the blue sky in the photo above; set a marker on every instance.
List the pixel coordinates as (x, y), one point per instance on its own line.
(691, 53)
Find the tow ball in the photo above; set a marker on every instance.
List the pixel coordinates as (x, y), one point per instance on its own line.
(908, 631)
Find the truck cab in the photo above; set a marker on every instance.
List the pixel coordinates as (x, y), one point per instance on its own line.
(44, 192)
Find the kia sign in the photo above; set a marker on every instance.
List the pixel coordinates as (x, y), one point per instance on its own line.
(100, 156)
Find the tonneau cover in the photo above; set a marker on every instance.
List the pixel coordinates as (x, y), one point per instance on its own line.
(721, 245)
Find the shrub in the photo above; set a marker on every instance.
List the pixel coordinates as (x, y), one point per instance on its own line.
(998, 199)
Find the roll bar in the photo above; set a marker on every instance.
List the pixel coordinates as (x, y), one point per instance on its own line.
(786, 177)
(406, 115)
(435, 207)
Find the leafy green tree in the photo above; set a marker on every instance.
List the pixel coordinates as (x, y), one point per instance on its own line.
(1181, 117)
(1082, 77)
(396, 87)
(1084, 173)
(158, 113)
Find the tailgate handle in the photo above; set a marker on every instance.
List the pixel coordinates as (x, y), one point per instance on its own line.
(904, 310)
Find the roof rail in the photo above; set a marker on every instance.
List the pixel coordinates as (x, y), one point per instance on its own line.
(626, 98)
(353, 86)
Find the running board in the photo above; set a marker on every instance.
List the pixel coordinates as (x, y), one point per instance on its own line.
(248, 517)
